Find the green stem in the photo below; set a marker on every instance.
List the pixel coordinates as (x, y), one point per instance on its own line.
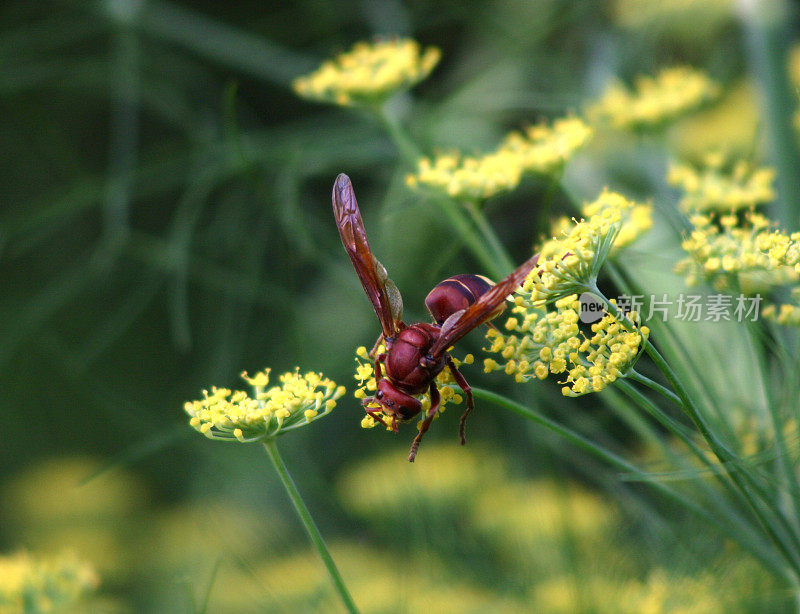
(653, 385)
(728, 459)
(471, 239)
(311, 528)
(768, 36)
(663, 418)
(502, 258)
(744, 531)
(559, 429)
(764, 554)
(407, 148)
(669, 423)
(411, 154)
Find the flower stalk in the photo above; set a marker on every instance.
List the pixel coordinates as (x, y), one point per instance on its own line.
(309, 525)
(496, 261)
(767, 516)
(732, 524)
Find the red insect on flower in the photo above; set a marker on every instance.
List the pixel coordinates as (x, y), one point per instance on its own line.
(416, 353)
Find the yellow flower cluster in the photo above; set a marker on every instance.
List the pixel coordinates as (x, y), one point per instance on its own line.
(722, 249)
(543, 342)
(449, 478)
(369, 73)
(635, 218)
(654, 101)
(365, 376)
(32, 584)
(544, 149)
(235, 416)
(473, 178)
(659, 592)
(533, 516)
(541, 149)
(571, 262)
(787, 314)
(719, 188)
(731, 125)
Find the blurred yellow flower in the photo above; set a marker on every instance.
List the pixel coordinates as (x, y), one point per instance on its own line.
(77, 489)
(540, 513)
(794, 65)
(394, 583)
(76, 503)
(722, 187)
(543, 342)
(659, 593)
(731, 125)
(468, 177)
(794, 76)
(446, 478)
(721, 248)
(544, 149)
(655, 101)
(192, 536)
(43, 584)
(541, 149)
(368, 73)
(786, 314)
(234, 416)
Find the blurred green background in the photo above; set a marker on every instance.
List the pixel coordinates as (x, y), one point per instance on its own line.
(165, 223)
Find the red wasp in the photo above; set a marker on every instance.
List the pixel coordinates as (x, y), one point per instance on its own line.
(416, 353)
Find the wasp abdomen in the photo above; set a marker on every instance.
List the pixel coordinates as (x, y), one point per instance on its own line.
(454, 294)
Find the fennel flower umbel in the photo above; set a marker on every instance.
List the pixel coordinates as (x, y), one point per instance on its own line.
(230, 415)
(722, 187)
(471, 178)
(542, 342)
(655, 101)
(721, 248)
(369, 73)
(541, 149)
(544, 149)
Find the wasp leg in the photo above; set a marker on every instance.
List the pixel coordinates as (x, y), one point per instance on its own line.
(378, 372)
(375, 414)
(464, 385)
(435, 399)
(374, 349)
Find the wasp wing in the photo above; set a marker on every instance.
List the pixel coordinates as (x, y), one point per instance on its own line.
(482, 310)
(381, 291)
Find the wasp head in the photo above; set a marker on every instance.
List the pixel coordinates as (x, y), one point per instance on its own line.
(395, 403)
